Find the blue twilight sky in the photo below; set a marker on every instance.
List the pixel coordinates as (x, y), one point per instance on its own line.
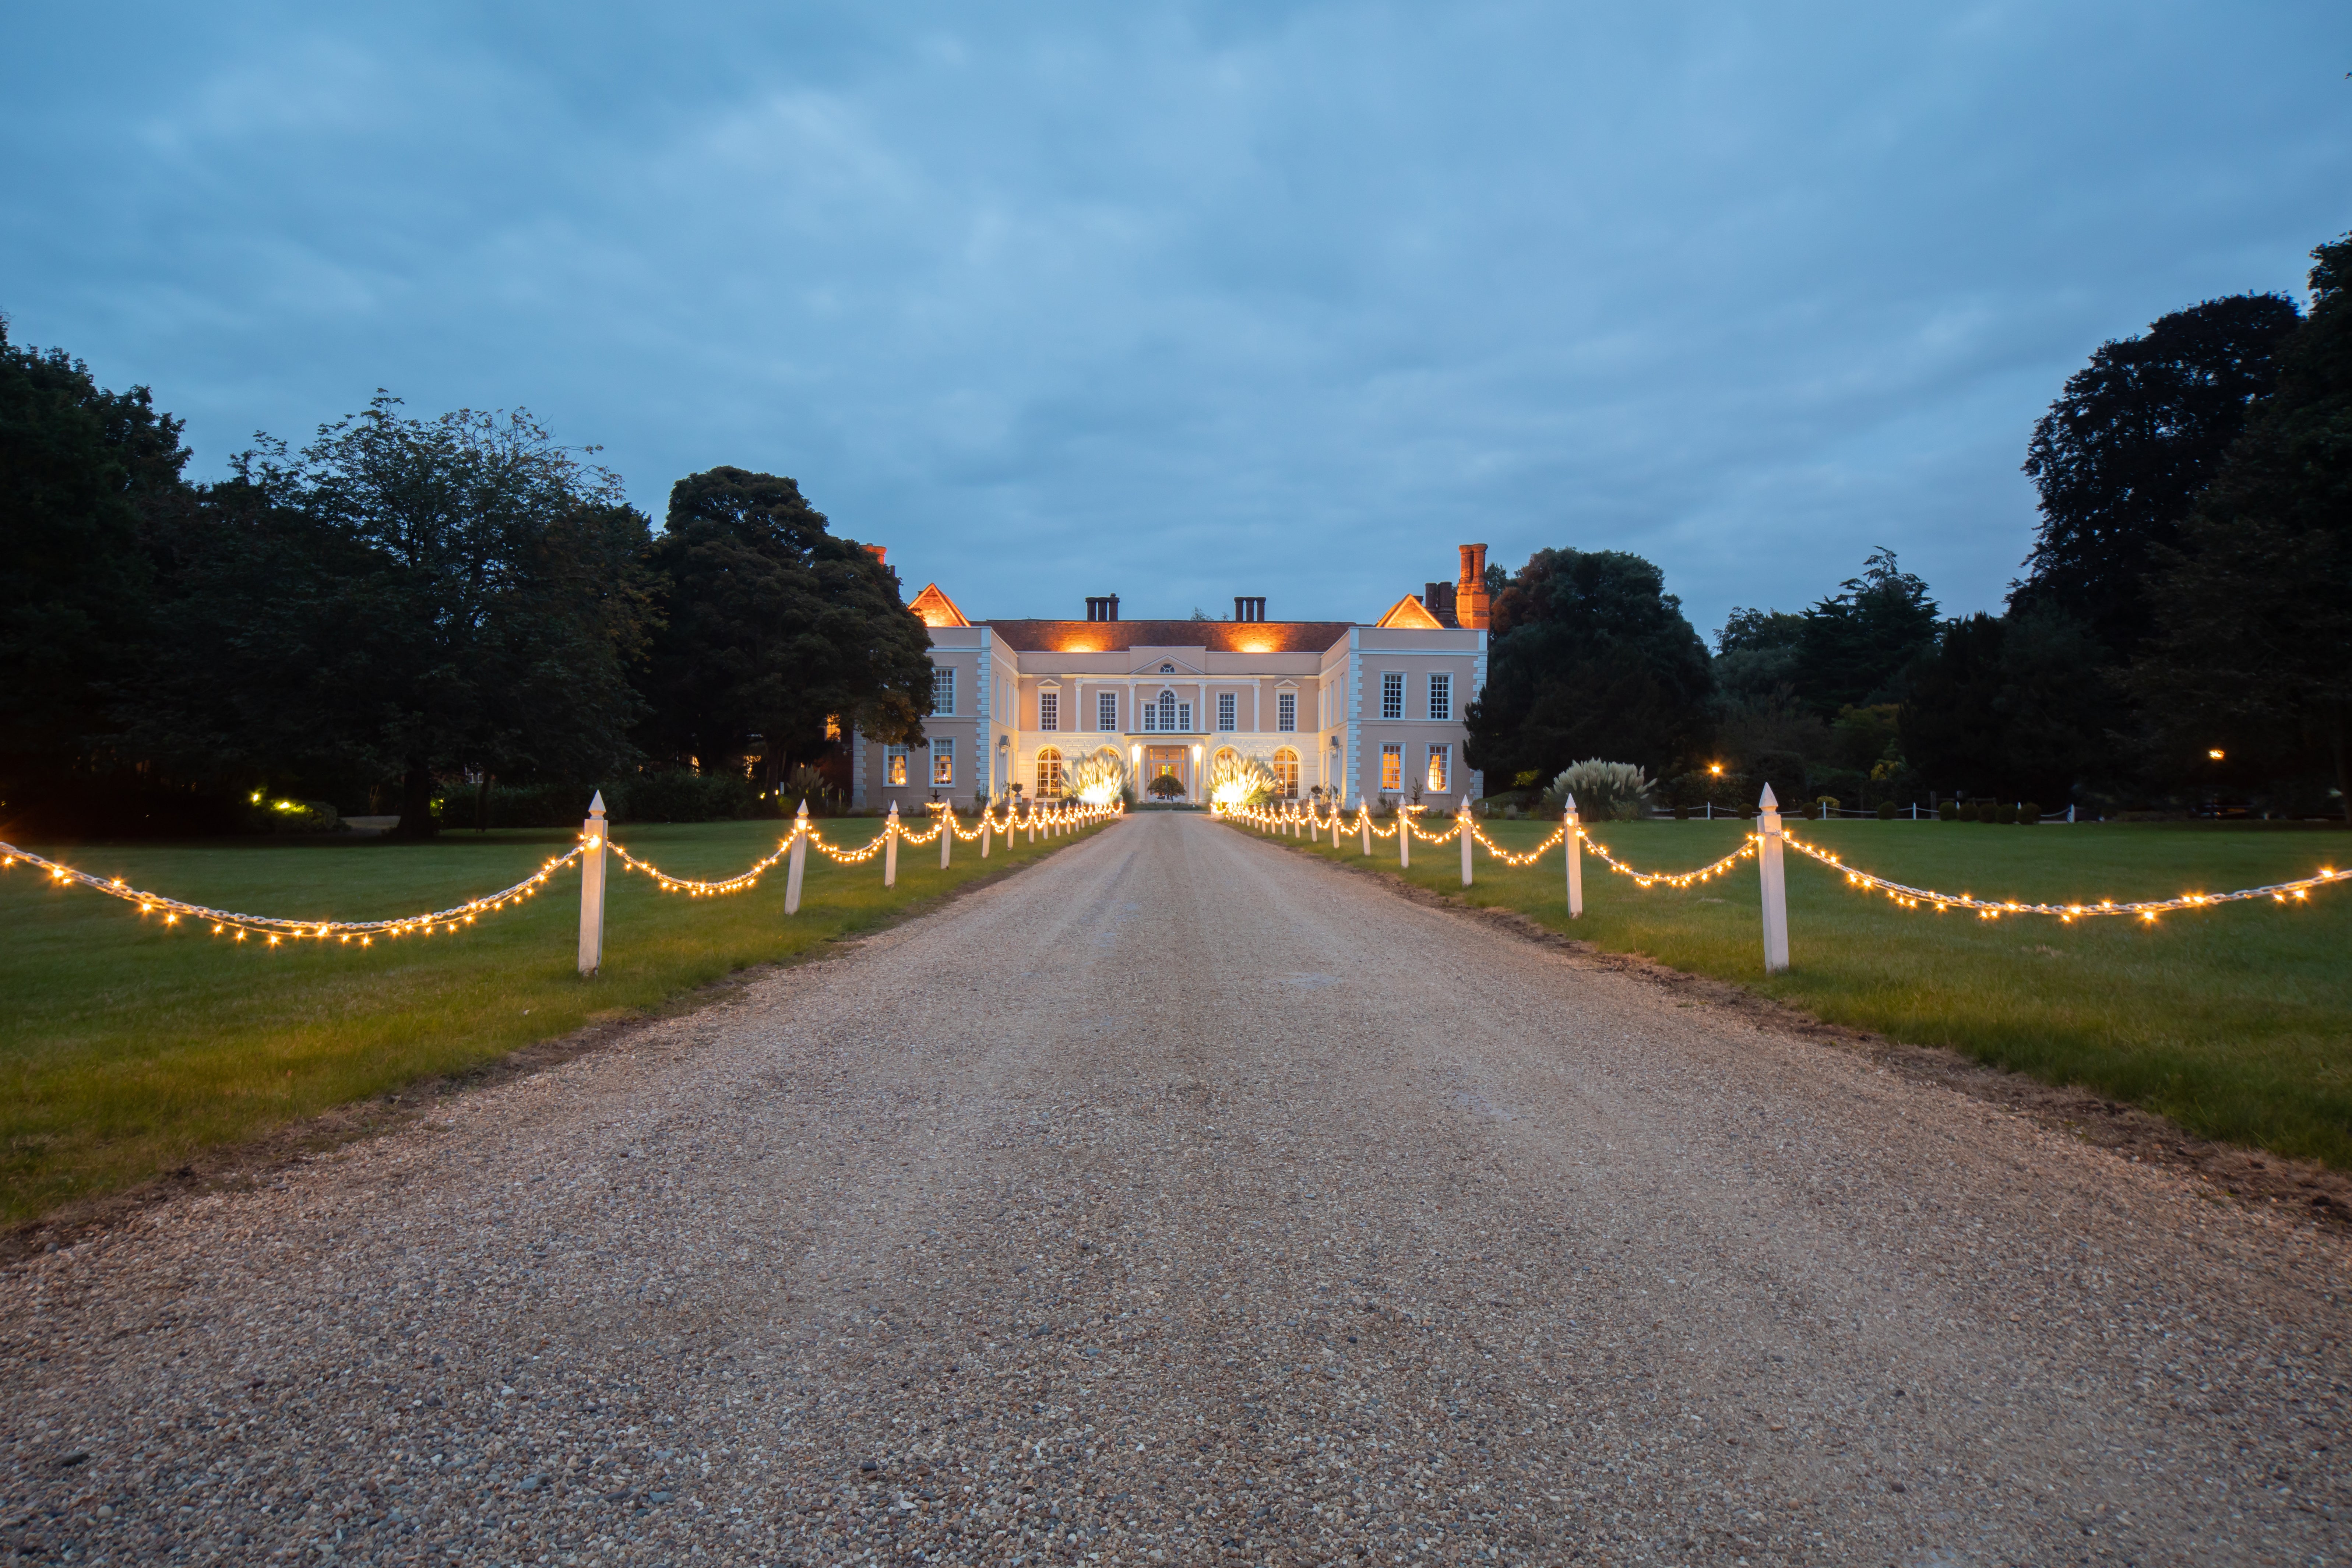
(1186, 302)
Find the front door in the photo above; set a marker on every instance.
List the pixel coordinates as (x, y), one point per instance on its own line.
(1164, 762)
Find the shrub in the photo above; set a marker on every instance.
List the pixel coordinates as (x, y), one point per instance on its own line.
(1886, 811)
(1166, 786)
(2005, 813)
(1604, 792)
(2029, 815)
(1682, 812)
(676, 795)
(1830, 805)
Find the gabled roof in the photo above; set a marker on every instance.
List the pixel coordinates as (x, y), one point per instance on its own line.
(934, 608)
(1410, 612)
(1216, 636)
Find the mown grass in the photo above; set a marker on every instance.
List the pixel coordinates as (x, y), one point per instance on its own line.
(2235, 1022)
(126, 1047)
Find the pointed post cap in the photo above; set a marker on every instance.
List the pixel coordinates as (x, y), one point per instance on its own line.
(1465, 802)
(1766, 800)
(894, 808)
(803, 813)
(596, 806)
(1571, 800)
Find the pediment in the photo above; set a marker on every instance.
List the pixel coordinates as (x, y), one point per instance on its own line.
(1149, 661)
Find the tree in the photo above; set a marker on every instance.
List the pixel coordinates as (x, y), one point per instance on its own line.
(2012, 707)
(2253, 607)
(426, 595)
(775, 626)
(1589, 657)
(86, 477)
(1856, 643)
(2123, 454)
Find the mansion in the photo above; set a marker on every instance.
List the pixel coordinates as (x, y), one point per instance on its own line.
(1356, 709)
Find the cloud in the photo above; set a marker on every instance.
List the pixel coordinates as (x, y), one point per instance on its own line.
(1182, 302)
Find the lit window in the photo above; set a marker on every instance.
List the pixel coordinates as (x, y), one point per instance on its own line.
(1049, 774)
(1393, 696)
(1049, 710)
(1286, 712)
(1392, 765)
(943, 762)
(1227, 717)
(1441, 697)
(1439, 759)
(943, 691)
(894, 765)
(1285, 773)
(1105, 710)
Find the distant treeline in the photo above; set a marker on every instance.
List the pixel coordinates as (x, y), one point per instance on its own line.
(450, 619)
(2182, 638)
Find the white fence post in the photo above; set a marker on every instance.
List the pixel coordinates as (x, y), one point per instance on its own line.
(1030, 817)
(890, 848)
(984, 825)
(1574, 844)
(1404, 837)
(796, 862)
(1462, 829)
(591, 888)
(946, 834)
(1775, 884)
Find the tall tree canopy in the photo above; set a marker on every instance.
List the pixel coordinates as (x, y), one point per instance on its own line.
(1589, 657)
(2254, 605)
(2123, 454)
(407, 596)
(772, 625)
(1856, 643)
(85, 476)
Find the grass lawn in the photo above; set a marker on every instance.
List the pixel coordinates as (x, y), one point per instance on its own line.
(125, 1047)
(2235, 1022)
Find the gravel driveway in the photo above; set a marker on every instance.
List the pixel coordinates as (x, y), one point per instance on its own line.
(1183, 1200)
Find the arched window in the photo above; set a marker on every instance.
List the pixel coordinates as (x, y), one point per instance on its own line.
(1167, 709)
(1049, 774)
(1285, 773)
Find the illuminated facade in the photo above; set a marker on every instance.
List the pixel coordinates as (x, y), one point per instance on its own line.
(1350, 708)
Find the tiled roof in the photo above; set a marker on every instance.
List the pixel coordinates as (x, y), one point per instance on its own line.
(1217, 637)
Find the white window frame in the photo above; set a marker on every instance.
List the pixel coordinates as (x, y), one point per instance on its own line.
(894, 767)
(1439, 776)
(1228, 712)
(942, 761)
(1392, 694)
(1286, 712)
(944, 690)
(1392, 764)
(1105, 710)
(1049, 707)
(1285, 773)
(1049, 772)
(1441, 696)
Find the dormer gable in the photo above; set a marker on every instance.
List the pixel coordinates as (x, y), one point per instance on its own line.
(934, 608)
(1411, 615)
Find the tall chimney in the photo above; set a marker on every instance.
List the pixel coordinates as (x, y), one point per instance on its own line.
(879, 552)
(1470, 592)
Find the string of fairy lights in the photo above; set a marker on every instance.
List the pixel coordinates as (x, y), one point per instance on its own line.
(1316, 815)
(274, 930)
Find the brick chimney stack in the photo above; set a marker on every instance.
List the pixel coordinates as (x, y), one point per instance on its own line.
(1470, 592)
(881, 554)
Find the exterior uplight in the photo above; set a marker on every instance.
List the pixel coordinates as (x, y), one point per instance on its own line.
(2216, 754)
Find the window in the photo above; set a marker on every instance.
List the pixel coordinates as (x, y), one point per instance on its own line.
(1049, 710)
(1391, 766)
(894, 764)
(1167, 669)
(1049, 774)
(1105, 710)
(1286, 712)
(1166, 711)
(1393, 695)
(1285, 773)
(1441, 697)
(1227, 717)
(1440, 759)
(943, 691)
(943, 762)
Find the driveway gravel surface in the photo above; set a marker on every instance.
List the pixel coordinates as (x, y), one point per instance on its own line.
(1184, 1200)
